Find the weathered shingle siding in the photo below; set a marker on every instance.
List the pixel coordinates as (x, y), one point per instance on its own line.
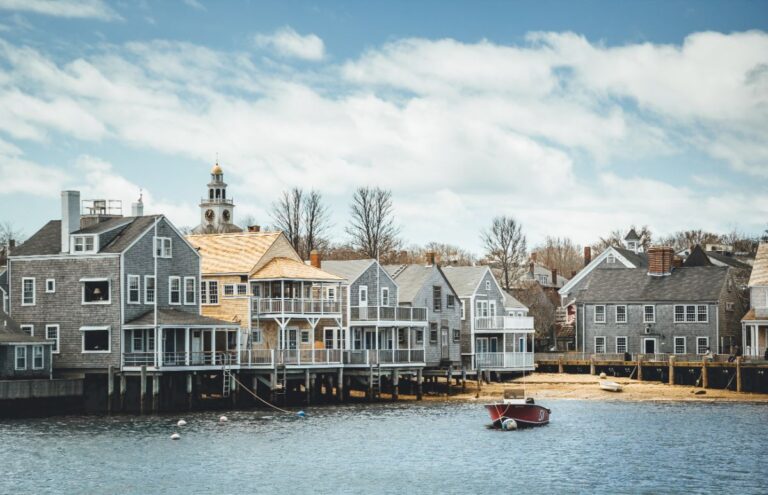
(447, 317)
(140, 260)
(492, 294)
(730, 320)
(65, 307)
(8, 362)
(369, 278)
(758, 297)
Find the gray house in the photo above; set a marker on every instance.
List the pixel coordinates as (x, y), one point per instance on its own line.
(427, 286)
(22, 355)
(496, 331)
(658, 309)
(108, 290)
(755, 322)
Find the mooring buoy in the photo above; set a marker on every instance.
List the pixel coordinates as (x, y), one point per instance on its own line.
(175, 436)
(301, 414)
(223, 419)
(509, 424)
(181, 422)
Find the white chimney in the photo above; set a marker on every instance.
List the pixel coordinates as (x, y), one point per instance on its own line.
(70, 216)
(137, 209)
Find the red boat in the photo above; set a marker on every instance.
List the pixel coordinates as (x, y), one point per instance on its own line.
(520, 408)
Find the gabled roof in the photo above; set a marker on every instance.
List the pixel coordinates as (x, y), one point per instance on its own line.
(544, 271)
(11, 332)
(286, 268)
(4, 280)
(694, 284)
(512, 303)
(105, 226)
(411, 278)
(632, 236)
(759, 276)
(697, 258)
(349, 270)
(45, 241)
(637, 259)
(465, 279)
(724, 259)
(176, 317)
(232, 253)
(626, 257)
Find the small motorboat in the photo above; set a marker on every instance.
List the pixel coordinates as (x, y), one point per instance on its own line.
(516, 406)
(610, 386)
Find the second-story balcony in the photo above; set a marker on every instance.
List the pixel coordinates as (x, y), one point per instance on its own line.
(271, 306)
(502, 323)
(392, 314)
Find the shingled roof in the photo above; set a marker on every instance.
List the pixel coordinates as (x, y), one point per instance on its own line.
(286, 268)
(411, 278)
(637, 259)
(348, 270)
(176, 317)
(759, 275)
(232, 253)
(465, 279)
(692, 284)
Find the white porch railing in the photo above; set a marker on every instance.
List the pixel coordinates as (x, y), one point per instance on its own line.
(300, 357)
(522, 323)
(384, 356)
(271, 306)
(388, 313)
(179, 359)
(513, 360)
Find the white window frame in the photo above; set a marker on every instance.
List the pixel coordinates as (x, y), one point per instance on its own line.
(706, 345)
(31, 329)
(193, 301)
(55, 349)
(487, 285)
(163, 247)
(655, 345)
(257, 336)
(419, 337)
(610, 259)
(360, 298)
(171, 280)
(50, 285)
(698, 313)
(146, 289)
(463, 309)
(302, 334)
(689, 317)
(79, 244)
(626, 344)
(16, 357)
(675, 313)
(385, 296)
(242, 289)
(137, 278)
(229, 290)
(456, 335)
(83, 330)
(645, 315)
(34, 291)
(598, 337)
(36, 348)
(594, 309)
(626, 316)
(205, 286)
(330, 293)
(674, 344)
(83, 281)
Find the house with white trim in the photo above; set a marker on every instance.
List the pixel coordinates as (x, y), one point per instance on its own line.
(755, 322)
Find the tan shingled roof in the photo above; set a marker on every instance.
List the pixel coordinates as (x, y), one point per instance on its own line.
(232, 253)
(278, 268)
(759, 275)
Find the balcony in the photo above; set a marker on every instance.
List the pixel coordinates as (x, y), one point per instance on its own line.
(308, 357)
(263, 306)
(384, 357)
(403, 314)
(206, 359)
(502, 323)
(513, 361)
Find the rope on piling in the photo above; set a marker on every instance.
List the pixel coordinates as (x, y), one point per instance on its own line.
(257, 397)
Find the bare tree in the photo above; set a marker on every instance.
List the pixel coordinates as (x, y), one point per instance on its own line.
(684, 239)
(315, 215)
(616, 239)
(286, 215)
(505, 244)
(561, 254)
(372, 226)
(247, 221)
(9, 232)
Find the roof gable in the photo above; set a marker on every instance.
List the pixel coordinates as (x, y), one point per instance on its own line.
(232, 253)
(759, 276)
(286, 268)
(621, 254)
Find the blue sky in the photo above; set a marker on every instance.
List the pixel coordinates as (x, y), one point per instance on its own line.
(575, 118)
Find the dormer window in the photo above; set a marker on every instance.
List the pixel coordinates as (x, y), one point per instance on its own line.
(632, 245)
(83, 244)
(163, 247)
(611, 259)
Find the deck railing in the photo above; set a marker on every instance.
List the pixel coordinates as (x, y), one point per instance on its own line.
(518, 360)
(388, 313)
(522, 323)
(279, 305)
(603, 356)
(179, 359)
(383, 356)
(300, 357)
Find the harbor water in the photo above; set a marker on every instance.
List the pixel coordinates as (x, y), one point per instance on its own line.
(430, 447)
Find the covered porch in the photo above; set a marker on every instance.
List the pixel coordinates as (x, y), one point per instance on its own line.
(385, 346)
(172, 339)
(754, 333)
(504, 351)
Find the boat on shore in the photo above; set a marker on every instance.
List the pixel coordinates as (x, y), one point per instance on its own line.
(610, 386)
(516, 406)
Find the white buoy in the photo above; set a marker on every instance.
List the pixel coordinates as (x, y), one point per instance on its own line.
(603, 375)
(175, 436)
(223, 419)
(509, 424)
(181, 422)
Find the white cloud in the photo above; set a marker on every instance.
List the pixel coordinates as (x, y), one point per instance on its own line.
(93, 9)
(195, 4)
(288, 43)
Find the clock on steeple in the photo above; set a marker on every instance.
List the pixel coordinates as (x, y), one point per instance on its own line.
(216, 209)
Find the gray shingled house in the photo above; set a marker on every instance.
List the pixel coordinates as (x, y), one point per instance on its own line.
(656, 309)
(22, 355)
(427, 286)
(755, 322)
(109, 290)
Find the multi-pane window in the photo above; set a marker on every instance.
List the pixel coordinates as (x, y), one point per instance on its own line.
(149, 289)
(242, 289)
(621, 314)
(702, 345)
(305, 336)
(701, 313)
(52, 333)
(433, 333)
(649, 314)
(679, 345)
(174, 290)
(437, 298)
(84, 244)
(419, 336)
(487, 285)
(134, 291)
(456, 335)
(600, 314)
(163, 247)
(450, 301)
(385, 296)
(21, 357)
(599, 345)
(256, 335)
(691, 313)
(229, 290)
(621, 345)
(27, 291)
(610, 259)
(679, 314)
(38, 361)
(190, 292)
(209, 292)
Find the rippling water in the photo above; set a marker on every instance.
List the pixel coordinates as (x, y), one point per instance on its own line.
(590, 447)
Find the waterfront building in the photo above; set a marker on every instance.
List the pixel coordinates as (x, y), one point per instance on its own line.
(427, 286)
(217, 211)
(291, 310)
(659, 308)
(755, 322)
(492, 339)
(22, 354)
(115, 292)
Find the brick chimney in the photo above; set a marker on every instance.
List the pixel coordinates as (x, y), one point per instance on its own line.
(573, 273)
(430, 258)
(554, 276)
(587, 255)
(660, 261)
(677, 262)
(254, 228)
(530, 269)
(11, 245)
(314, 258)
(533, 257)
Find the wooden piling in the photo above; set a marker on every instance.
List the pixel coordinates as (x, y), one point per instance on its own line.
(560, 365)
(155, 393)
(123, 386)
(704, 374)
(307, 386)
(418, 384)
(143, 389)
(340, 385)
(639, 368)
(592, 370)
(671, 370)
(395, 384)
(189, 391)
(463, 379)
(110, 388)
(738, 374)
(449, 380)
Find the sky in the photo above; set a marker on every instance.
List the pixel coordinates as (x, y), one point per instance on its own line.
(575, 118)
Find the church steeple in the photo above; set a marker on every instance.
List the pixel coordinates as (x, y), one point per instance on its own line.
(216, 210)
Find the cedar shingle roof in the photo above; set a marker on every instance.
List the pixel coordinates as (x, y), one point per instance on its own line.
(703, 283)
(286, 268)
(759, 275)
(411, 278)
(637, 259)
(176, 317)
(348, 270)
(11, 332)
(511, 302)
(232, 253)
(47, 240)
(465, 279)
